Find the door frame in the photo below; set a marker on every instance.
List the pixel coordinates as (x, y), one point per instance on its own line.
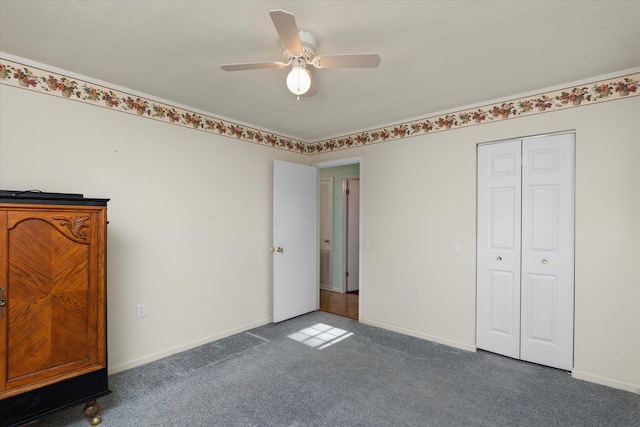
(330, 225)
(343, 162)
(345, 232)
(573, 178)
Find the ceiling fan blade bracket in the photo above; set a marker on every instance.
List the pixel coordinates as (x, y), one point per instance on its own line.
(308, 43)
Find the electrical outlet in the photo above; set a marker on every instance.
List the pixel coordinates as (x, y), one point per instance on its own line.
(414, 293)
(141, 310)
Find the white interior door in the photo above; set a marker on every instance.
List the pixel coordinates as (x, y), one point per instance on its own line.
(547, 250)
(295, 240)
(353, 235)
(498, 264)
(525, 249)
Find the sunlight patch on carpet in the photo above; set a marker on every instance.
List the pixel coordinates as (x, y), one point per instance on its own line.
(320, 335)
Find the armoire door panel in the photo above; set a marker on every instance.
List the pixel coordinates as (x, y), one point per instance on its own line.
(4, 267)
(51, 291)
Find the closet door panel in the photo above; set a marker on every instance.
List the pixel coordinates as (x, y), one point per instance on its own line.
(502, 309)
(541, 299)
(498, 270)
(547, 250)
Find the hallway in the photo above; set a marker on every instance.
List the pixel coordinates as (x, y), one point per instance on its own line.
(345, 305)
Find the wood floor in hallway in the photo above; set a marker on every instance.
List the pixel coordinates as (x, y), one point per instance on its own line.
(345, 305)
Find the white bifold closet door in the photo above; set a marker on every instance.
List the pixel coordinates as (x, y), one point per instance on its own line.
(525, 282)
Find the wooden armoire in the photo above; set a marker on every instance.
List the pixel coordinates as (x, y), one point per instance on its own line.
(53, 346)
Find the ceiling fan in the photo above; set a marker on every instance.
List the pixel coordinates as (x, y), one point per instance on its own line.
(299, 51)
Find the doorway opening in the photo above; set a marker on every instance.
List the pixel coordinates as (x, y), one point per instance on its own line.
(340, 237)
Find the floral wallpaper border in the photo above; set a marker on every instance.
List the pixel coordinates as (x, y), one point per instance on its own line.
(591, 93)
(19, 75)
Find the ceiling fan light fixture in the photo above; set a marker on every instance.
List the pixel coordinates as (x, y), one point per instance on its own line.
(299, 79)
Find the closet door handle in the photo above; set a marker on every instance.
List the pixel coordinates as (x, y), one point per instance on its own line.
(499, 258)
(544, 261)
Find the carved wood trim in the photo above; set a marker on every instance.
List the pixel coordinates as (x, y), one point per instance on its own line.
(75, 224)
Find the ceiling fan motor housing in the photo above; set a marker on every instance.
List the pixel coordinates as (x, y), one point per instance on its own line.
(309, 44)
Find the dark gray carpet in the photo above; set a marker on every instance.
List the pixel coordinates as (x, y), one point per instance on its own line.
(371, 378)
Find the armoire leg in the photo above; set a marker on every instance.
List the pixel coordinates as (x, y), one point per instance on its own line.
(91, 409)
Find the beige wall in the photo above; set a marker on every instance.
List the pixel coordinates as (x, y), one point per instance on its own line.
(190, 211)
(426, 187)
(189, 217)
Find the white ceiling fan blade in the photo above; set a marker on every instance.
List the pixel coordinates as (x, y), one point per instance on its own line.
(285, 24)
(253, 66)
(359, 60)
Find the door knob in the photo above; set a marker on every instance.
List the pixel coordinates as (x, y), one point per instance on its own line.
(499, 258)
(544, 261)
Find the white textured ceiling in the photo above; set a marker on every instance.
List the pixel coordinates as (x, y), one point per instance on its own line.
(436, 55)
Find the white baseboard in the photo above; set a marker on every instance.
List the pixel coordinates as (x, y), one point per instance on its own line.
(173, 350)
(609, 382)
(433, 338)
(577, 374)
